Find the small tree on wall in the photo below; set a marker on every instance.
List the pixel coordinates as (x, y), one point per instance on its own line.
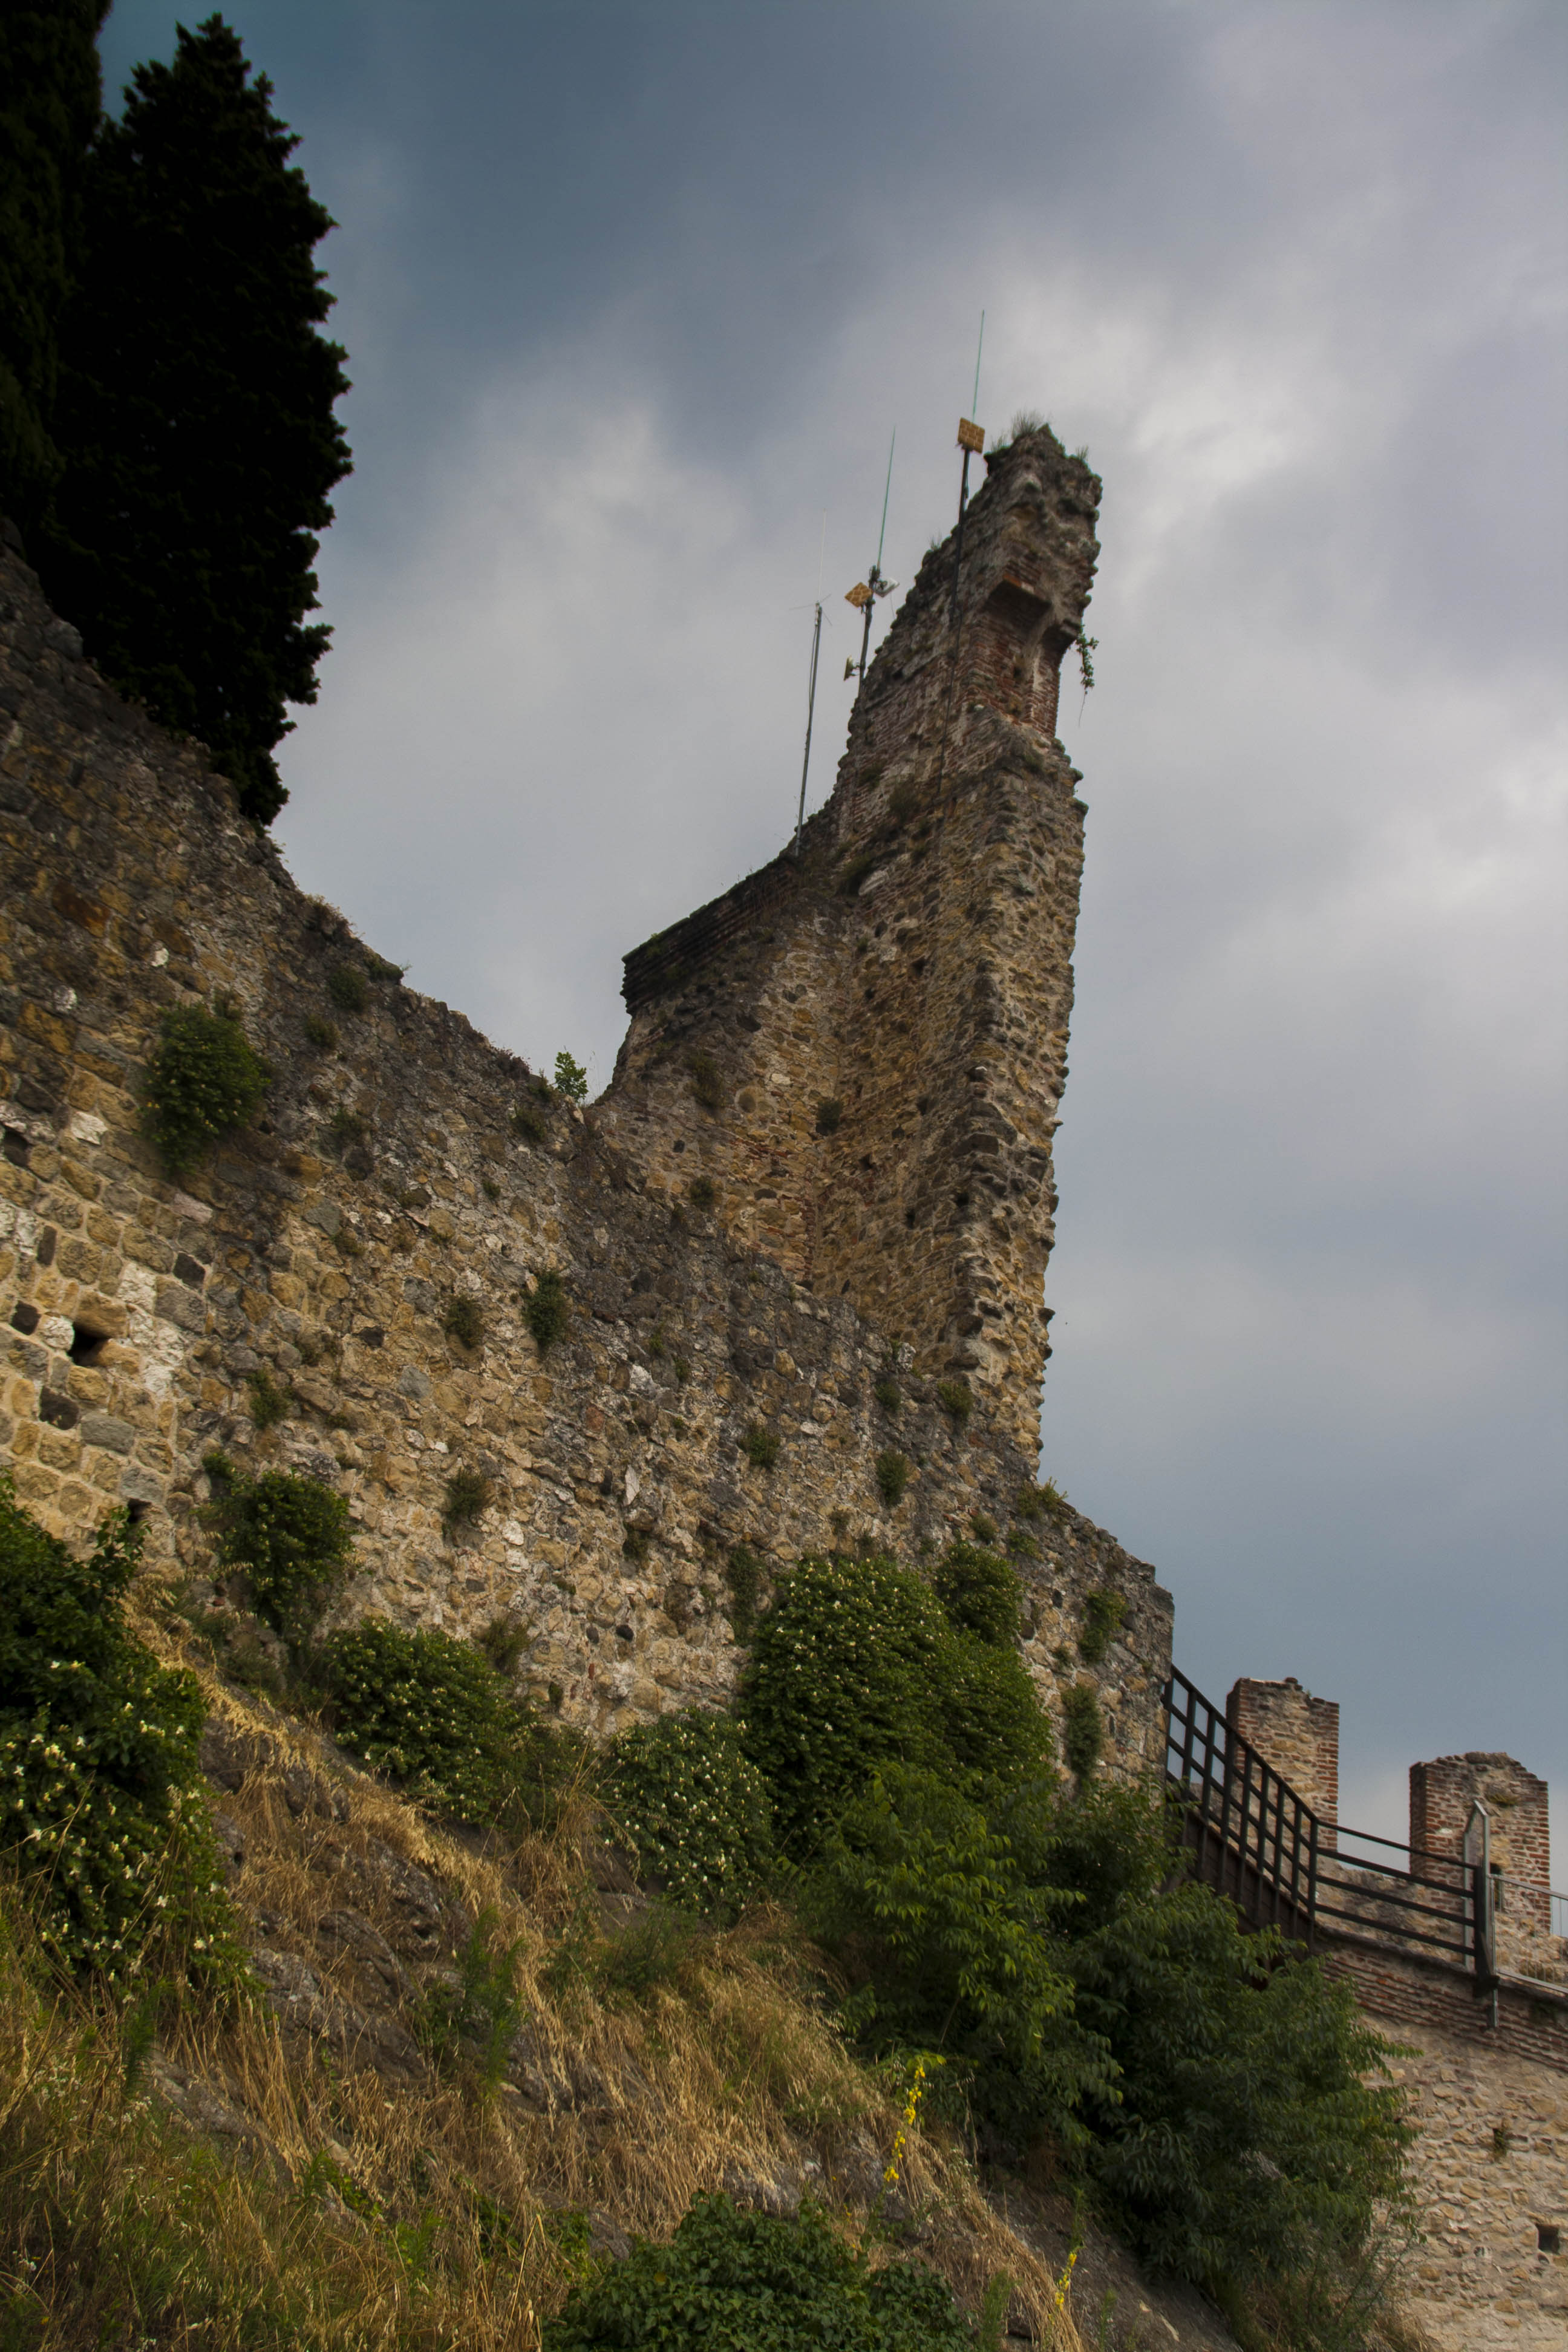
(195, 415)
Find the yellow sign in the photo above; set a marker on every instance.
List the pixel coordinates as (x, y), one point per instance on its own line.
(971, 437)
(858, 595)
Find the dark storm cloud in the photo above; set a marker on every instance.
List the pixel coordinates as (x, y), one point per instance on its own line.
(633, 294)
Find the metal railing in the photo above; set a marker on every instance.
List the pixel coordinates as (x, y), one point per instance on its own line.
(1250, 1835)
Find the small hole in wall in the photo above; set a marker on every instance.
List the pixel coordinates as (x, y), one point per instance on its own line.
(680, 1146)
(908, 1216)
(87, 1345)
(136, 1512)
(1548, 2237)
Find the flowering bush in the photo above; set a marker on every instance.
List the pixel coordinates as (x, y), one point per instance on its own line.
(290, 1534)
(858, 1662)
(694, 1808)
(99, 1791)
(435, 1714)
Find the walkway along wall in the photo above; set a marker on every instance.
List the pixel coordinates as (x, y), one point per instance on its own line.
(412, 1163)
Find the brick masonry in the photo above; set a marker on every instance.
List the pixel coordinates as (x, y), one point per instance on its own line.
(1298, 1735)
(385, 1176)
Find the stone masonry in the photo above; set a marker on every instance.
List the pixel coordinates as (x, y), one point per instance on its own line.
(409, 1162)
(861, 1052)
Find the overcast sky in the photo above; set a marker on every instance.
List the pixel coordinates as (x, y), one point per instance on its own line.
(634, 296)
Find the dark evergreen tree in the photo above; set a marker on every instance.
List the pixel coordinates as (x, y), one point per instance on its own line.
(195, 412)
(49, 106)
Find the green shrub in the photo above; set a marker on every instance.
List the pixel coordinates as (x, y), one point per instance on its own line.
(270, 1399)
(706, 1085)
(1083, 1728)
(889, 1395)
(702, 1192)
(433, 1713)
(322, 1033)
(529, 1123)
(478, 2018)
(892, 1478)
(829, 1115)
(463, 1320)
(1022, 1545)
(348, 988)
(731, 2278)
(1102, 1614)
(694, 1808)
(290, 1534)
(101, 1808)
(957, 1399)
(762, 1446)
(348, 1126)
(1250, 2139)
(950, 1946)
(468, 1497)
(984, 1527)
(546, 1311)
(571, 1078)
(203, 1079)
(979, 1592)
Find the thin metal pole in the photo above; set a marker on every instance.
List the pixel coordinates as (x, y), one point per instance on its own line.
(887, 493)
(810, 708)
(958, 543)
(980, 346)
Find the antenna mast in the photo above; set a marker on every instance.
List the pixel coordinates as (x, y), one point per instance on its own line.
(971, 441)
(864, 594)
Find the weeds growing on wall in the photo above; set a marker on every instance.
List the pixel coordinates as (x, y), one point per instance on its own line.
(829, 1115)
(546, 1311)
(465, 1498)
(291, 1535)
(101, 1814)
(707, 1083)
(529, 1124)
(702, 1192)
(888, 1394)
(744, 1575)
(1083, 1728)
(348, 988)
(463, 1319)
(1102, 1614)
(892, 1474)
(271, 1402)
(203, 1079)
(322, 1033)
(957, 1399)
(762, 1446)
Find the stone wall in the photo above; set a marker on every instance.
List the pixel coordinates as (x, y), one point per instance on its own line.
(1491, 2188)
(386, 1175)
(861, 1052)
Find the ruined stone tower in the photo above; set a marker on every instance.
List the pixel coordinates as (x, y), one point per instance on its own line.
(858, 1054)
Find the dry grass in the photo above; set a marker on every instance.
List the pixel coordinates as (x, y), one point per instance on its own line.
(421, 2204)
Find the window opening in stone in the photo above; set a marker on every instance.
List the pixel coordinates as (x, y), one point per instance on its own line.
(1548, 2237)
(87, 1344)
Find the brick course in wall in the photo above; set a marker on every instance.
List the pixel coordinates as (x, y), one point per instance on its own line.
(1296, 1734)
(380, 1178)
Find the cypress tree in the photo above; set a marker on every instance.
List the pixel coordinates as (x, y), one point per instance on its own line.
(195, 412)
(49, 106)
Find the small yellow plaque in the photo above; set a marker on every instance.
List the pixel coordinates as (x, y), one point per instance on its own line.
(858, 595)
(971, 437)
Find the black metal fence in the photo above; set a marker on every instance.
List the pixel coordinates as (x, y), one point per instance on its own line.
(1254, 1839)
